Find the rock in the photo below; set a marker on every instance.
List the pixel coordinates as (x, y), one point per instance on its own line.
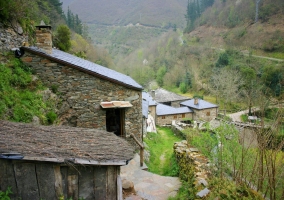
(35, 121)
(128, 186)
(203, 193)
(203, 182)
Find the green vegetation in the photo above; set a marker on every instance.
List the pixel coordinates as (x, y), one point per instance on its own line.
(20, 98)
(4, 195)
(248, 165)
(162, 160)
(63, 38)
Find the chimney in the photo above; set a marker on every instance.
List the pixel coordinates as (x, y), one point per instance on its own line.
(43, 37)
(195, 101)
(153, 94)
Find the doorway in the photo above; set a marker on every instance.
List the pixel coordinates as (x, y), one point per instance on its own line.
(115, 121)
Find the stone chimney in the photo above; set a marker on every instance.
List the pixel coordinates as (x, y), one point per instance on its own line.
(153, 94)
(195, 101)
(43, 37)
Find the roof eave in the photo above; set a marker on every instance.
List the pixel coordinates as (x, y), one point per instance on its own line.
(77, 161)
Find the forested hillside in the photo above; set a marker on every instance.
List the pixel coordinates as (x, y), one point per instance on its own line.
(159, 13)
(232, 62)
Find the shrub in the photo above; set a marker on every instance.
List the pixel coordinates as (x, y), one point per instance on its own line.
(51, 117)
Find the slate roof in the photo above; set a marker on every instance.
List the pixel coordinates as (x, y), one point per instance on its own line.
(86, 66)
(169, 110)
(162, 95)
(145, 108)
(64, 144)
(149, 98)
(200, 106)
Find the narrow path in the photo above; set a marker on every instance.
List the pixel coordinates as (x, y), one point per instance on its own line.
(147, 185)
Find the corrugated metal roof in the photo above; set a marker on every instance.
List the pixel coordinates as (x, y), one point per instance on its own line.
(162, 95)
(149, 98)
(199, 106)
(87, 66)
(168, 110)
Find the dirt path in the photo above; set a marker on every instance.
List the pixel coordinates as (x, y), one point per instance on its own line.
(148, 185)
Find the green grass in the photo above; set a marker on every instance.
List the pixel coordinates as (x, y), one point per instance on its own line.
(162, 159)
(20, 98)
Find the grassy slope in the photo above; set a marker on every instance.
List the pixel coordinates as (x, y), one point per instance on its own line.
(161, 151)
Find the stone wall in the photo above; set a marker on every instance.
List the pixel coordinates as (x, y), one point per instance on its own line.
(194, 168)
(167, 119)
(205, 114)
(9, 38)
(81, 95)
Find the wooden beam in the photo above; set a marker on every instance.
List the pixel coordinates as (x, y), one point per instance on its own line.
(58, 181)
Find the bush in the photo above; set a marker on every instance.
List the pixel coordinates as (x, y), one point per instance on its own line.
(51, 117)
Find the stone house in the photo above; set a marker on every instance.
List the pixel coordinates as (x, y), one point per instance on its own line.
(202, 110)
(54, 162)
(92, 96)
(166, 114)
(168, 98)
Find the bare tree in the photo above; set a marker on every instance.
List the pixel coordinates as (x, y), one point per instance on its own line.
(225, 84)
(256, 9)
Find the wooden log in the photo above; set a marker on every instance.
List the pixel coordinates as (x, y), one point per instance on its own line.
(26, 180)
(86, 183)
(46, 180)
(72, 179)
(100, 182)
(58, 181)
(7, 177)
(111, 182)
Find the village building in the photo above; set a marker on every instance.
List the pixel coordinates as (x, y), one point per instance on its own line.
(92, 96)
(151, 119)
(167, 114)
(60, 162)
(202, 110)
(167, 98)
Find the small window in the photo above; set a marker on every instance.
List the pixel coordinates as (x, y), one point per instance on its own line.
(163, 117)
(175, 116)
(208, 113)
(183, 115)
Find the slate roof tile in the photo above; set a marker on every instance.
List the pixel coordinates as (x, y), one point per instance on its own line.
(168, 110)
(200, 105)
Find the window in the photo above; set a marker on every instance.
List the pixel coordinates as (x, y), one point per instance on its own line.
(183, 115)
(163, 117)
(175, 116)
(208, 113)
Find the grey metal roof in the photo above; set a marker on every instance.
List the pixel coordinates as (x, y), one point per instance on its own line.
(149, 98)
(199, 106)
(145, 108)
(168, 110)
(87, 66)
(162, 95)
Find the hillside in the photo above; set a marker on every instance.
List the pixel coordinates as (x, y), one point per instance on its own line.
(159, 13)
(233, 25)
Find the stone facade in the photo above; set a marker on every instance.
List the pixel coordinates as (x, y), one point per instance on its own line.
(167, 119)
(82, 93)
(9, 38)
(205, 114)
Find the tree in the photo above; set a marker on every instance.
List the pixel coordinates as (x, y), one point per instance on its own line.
(63, 38)
(256, 9)
(225, 84)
